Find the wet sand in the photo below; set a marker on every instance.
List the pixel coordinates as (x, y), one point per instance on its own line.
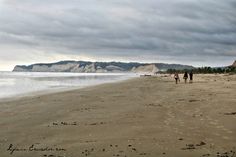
(146, 117)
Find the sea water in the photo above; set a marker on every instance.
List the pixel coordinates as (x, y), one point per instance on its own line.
(22, 83)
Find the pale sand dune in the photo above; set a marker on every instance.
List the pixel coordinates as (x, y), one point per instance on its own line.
(149, 116)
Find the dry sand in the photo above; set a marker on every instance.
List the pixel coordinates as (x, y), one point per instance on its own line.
(143, 117)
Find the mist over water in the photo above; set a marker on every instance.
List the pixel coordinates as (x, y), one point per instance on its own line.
(23, 83)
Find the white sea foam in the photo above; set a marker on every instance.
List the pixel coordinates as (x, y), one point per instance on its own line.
(21, 83)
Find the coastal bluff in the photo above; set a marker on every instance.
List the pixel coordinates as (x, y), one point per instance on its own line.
(97, 67)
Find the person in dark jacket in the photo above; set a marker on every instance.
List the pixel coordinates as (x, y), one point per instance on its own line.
(185, 77)
(191, 77)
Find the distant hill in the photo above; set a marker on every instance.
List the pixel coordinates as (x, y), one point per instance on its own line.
(98, 67)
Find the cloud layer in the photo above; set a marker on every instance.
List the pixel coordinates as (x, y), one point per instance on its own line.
(198, 32)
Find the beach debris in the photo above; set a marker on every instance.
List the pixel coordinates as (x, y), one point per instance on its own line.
(226, 154)
(193, 146)
(54, 123)
(189, 147)
(197, 115)
(181, 139)
(193, 100)
(83, 109)
(90, 141)
(201, 143)
(68, 123)
(93, 124)
(51, 155)
(96, 123)
(142, 153)
(114, 150)
(230, 113)
(87, 152)
(63, 123)
(153, 105)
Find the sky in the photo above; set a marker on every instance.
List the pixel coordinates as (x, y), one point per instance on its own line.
(193, 32)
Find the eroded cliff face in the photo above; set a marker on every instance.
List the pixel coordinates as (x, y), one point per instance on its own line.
(70, 67)
(46, 68)
(20, 69)
(234, 64)
(97, 67)
(146, 69)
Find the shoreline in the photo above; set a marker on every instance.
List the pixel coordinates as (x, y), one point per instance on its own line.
(58, 90)
(145, 116)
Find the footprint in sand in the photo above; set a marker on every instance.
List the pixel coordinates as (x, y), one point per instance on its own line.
(213, 123)
(216, 124)
(219, 127)
(170, 117)
(225, 137)
(227, 130)
(180, 122)
(216, 134)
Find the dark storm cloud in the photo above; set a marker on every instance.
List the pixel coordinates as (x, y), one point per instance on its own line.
(174, 30)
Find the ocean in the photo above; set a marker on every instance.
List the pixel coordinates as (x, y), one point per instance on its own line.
(24, 83)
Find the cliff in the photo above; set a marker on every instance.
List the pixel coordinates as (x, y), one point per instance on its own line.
(234, 64)
(98, 67)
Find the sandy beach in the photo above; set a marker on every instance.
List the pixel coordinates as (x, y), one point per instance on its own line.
(142, 117)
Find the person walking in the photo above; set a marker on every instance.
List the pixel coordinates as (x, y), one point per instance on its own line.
(191, 77)
(176, 76)
(185, 77)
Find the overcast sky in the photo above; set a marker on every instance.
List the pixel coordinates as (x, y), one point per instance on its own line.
(195, 32)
